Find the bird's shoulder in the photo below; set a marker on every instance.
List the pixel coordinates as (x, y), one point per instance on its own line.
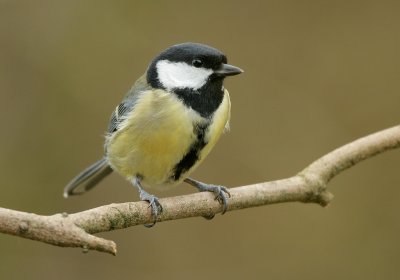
(128, 103)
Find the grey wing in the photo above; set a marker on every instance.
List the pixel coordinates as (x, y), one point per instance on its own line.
(127, 105)
(89, 178)
(119, 115)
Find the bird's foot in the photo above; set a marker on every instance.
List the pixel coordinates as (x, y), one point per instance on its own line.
(154, 204)
(221, 193)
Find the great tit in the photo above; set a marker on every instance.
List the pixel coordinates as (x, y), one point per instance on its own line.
(167, 124)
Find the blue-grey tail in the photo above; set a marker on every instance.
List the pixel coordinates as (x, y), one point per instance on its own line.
(88, 178)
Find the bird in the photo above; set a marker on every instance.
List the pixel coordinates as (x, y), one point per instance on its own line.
(166, 125)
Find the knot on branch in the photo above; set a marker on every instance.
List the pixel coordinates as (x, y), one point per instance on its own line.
(316, 189)
(23, 227)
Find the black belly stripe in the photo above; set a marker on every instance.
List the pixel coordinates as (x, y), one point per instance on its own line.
(192, 155)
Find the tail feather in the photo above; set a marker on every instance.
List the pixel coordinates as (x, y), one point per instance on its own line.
(88, 178)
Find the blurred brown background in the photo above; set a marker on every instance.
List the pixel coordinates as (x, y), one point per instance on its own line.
(318, 74)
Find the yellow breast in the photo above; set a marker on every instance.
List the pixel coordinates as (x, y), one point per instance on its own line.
(157, 134)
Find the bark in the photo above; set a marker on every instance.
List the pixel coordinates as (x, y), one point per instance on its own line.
(309, 185)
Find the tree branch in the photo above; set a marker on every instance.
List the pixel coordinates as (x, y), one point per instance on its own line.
(310, 185)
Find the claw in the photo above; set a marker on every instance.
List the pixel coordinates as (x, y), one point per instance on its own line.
(221, 193)
(154, 204)
(209, 217)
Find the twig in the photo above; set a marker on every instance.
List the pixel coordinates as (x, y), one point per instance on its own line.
(75, 230)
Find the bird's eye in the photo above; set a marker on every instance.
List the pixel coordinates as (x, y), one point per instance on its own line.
(197, 63)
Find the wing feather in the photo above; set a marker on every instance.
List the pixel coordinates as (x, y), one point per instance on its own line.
(127, 105)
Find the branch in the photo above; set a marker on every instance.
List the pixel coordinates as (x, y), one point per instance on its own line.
(310, 185)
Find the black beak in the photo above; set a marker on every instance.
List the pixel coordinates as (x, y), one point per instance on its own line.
(227, 70)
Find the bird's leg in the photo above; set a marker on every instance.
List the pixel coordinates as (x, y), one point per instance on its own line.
(155, 205)
(221, 193)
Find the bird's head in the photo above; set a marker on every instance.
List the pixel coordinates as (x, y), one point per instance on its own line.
(189, 66)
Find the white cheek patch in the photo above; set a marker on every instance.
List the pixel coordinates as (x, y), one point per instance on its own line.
(181, 75)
